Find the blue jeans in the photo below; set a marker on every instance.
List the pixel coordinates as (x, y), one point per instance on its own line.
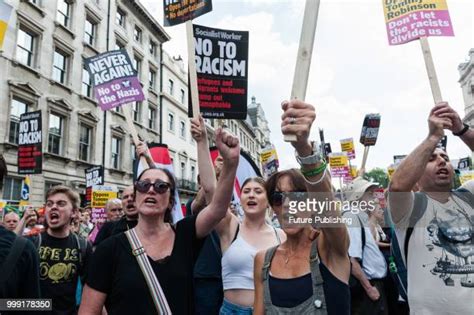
(234, 309)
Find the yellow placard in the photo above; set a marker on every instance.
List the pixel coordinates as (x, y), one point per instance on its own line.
(394, 9)
(466, 176)
(100, 197)
(338, 160)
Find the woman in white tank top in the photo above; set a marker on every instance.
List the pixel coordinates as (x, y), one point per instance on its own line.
(241, 242)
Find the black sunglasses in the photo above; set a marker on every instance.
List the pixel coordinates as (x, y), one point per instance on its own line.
(277, 197)
(159, 187)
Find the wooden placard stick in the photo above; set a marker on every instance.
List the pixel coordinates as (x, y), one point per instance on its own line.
(193, 87)
(132, 130)
(305, 51)
(430, 68)
(364, 161)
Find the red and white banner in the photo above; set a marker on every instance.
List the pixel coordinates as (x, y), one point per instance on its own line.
(161, 156)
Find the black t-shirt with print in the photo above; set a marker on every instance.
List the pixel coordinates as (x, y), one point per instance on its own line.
(116, 272)
(60, 267)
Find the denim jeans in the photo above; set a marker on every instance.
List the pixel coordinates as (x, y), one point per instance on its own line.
(234, 309)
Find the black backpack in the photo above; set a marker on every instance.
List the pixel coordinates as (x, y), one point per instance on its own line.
(397, 264)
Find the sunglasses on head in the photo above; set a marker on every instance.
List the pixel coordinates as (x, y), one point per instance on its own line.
(278, 196)
(159, 187)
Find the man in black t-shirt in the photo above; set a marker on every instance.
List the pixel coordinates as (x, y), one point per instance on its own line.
(125, 223)
(63, 255)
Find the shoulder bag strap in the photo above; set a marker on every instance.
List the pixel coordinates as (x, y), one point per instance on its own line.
(156, 291)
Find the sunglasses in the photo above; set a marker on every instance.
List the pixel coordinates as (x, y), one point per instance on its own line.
(159, 187)
(277, 197)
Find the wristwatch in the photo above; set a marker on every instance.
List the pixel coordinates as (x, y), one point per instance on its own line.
(314, 158)
(462, 131)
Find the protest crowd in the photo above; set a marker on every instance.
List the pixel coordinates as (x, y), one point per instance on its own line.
(215, 261)
(287, 242)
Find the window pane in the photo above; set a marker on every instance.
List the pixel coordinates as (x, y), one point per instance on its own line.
(89, 32)
(25, 45)
(59, 67)
(86, 83)
(63, 13)
(17, 108)
(55, 133)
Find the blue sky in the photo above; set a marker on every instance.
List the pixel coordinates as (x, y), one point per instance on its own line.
(354, 71)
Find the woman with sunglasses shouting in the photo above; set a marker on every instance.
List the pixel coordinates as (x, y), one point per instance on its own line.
(116, 279)
(309, 272)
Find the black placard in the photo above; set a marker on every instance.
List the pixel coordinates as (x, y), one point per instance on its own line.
(94, 176)
(30, 143)
(179, 11)
(221, 66)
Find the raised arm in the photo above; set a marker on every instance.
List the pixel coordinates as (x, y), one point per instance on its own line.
(210, 216)
(142, 150)
(297, 119)
(206, 170)
(457, 127)
(413, 166)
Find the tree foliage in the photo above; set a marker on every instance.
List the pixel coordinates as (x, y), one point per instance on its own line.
(377, 175)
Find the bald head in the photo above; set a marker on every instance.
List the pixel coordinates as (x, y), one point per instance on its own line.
(11, 220)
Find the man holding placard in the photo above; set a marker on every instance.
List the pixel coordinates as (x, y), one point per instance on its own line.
(434, 225)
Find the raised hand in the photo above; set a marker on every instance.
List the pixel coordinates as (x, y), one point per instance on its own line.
(142, 149)
(436, 123)
(443, 110)
(297, 119)
(198, 129)
(228, 146)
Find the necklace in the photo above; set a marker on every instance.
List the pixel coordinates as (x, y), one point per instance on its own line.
(287, 257)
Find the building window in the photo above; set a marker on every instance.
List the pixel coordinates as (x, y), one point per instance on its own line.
(183, 170)
(152, 79)
(151, 117)
(182, 96)
(25, 47)
(63, 15)
(182, 129)
(137, 34)
(193, 172)
(115, 153)
(59, 66)
(48, 185)
(119, 45)
(85, 142)
(12, 188)
(120, 18)
(17, 108)
(170, 86)
(152, 48)
(133, 154)
(137, 65)
(170, 122)
(55, 136)
(86, 83)
(90, 31)
(136, 106)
